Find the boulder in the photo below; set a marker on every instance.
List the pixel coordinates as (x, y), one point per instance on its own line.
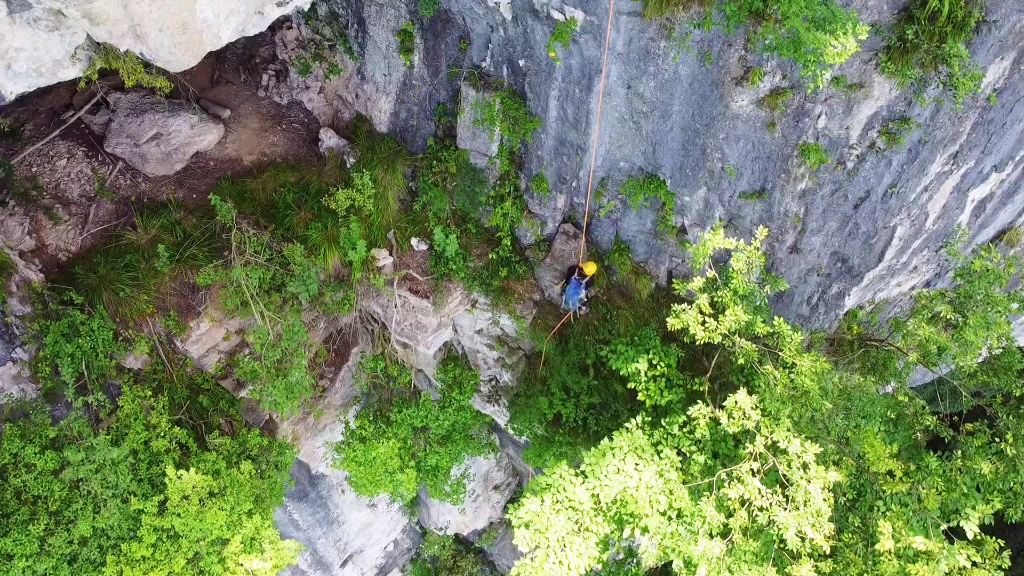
(15, 382)
(158, 136)
(491, 482)
(211, 337)
(331, 143)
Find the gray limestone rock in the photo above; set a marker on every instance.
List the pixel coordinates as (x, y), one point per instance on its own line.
(331, 143)
(158, 136)
(491, 482)
(565, 251)
(867, 226)
(499, 547)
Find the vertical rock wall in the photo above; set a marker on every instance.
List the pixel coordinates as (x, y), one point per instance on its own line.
(868, 225)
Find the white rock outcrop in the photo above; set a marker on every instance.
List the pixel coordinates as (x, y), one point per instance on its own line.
(158, 136)
(43, 42)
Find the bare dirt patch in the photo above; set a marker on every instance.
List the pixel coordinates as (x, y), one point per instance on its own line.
(73, 178)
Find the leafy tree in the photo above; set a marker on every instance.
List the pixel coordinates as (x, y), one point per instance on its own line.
(139, 494)
(757, 454)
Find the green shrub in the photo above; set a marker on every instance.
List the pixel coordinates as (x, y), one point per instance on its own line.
(128, 66)
(642, 191)
(8, 131)
(843, 84)
(16, 188)
(816, 34)
(442, 555)
(893, 133)
(429, 7)
(759, 194)
(406, 36)
(562, 34)
(1012, 237)
(387, 161)
(756, 77)
(576, 399)
(508, 115)
(813, 155)
(403, 439)
(139, 493)
(540, 186)
(658, 8)
(77, 349)
(928, 46)
(775, 101)
(7, 268)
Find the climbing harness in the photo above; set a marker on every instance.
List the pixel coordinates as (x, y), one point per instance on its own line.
(590, 181)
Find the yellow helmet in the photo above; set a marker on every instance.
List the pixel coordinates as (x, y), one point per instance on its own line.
(590, 268)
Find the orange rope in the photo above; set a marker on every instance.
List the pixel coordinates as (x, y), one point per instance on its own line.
(545, 350)
(597, 127)
(593, 162)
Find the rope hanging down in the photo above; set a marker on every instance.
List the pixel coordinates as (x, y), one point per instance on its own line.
(593, 162)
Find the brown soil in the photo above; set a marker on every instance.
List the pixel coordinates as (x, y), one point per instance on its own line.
(72, 168)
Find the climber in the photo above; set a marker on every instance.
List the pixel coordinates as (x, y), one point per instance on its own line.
(578, 280)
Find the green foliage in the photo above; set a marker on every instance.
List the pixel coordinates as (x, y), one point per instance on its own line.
(540, 185)
(140, 494)
(756, 77)
(134, 270)
(756, 454)
(406, 36)
(577, 399)
(14, 187)
(128, 66)
(273, 283)
(842, 84)
(658, 8)
(387, 162)
(277, 366)
(775, 101)
(928, 46)
(443, 555)
(506, 115)
(643, 190)
(759, 194)
(1012, 237)
(8, 131)
(7, 267)
(893, 133)
(403, 439)
(429, 7)
(816, 34)
(813, 155)
(77, 350)
(562, 34)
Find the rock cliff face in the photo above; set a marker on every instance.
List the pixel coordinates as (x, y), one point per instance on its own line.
(868, 225)
(39, 39)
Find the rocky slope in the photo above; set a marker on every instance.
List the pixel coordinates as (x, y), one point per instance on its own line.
(869, 225)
